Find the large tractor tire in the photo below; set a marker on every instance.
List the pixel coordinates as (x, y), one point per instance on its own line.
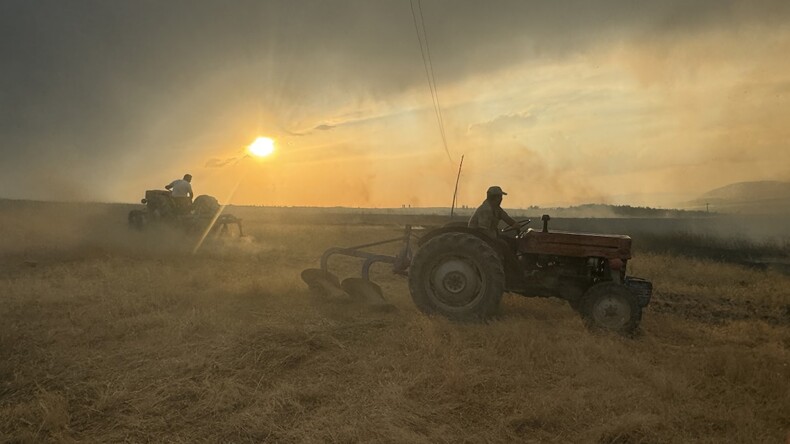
(205, 206)
(610, 306)
(137, 220)
(457, 275)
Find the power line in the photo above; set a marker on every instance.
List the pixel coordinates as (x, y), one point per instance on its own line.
(427, 63)
(433, 76)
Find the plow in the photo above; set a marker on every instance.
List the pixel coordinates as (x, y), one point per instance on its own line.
(462, 273)
(362, 289)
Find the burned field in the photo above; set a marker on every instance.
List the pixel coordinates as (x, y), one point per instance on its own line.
(110, 335)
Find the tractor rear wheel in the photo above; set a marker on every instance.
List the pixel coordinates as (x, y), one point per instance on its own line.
(610, 306)
(457, 275)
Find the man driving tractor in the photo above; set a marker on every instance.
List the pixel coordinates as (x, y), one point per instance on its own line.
(487, 217)
(181, 191)
(490, 212)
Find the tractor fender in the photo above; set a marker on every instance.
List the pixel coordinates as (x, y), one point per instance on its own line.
(454, 227)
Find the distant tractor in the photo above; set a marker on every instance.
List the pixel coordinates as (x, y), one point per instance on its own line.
(461, 273)
(161, 209)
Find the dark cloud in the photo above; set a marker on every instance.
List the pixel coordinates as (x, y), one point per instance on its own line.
(219, 163)
(321, 127)
(505, 123)
(100, 88)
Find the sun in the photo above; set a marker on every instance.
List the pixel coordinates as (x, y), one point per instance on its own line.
(261, 147)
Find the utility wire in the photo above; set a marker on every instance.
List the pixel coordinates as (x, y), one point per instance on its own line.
(433, 76)
(426, 61)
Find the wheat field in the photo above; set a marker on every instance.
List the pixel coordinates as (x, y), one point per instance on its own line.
(115, 336)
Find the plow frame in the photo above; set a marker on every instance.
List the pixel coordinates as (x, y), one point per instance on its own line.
(361, 289)
(400, 262)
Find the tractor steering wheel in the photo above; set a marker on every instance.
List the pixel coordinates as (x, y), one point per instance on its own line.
(521, 224)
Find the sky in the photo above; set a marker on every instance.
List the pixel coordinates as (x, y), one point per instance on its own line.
(559, 103)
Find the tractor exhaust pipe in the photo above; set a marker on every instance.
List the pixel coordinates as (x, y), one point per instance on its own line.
(545, 218)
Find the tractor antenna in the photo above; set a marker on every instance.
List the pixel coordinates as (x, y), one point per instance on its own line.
(455, 193)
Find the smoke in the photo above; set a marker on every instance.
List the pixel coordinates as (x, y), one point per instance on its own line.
(575, 101)
(722, 104)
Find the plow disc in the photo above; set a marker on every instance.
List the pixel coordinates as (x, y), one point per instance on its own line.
(323, 282)
(366, 292)
(361, 289)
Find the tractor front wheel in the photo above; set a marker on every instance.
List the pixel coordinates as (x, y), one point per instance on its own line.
(611, 307)
(457, 275)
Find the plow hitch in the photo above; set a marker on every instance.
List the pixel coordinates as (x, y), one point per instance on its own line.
(362, 289)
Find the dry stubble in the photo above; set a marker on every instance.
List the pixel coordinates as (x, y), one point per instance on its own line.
(112, 339)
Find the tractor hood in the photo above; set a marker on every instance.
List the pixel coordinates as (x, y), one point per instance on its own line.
(563, 243)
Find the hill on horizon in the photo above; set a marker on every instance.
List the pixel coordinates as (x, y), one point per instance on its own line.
(765, 196)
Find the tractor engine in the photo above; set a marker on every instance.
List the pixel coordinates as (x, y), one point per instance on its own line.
(158, 203)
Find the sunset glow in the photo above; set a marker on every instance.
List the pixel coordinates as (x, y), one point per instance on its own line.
(613, 105)
(261, 147)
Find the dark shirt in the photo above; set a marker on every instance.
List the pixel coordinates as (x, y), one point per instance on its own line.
(487, 218)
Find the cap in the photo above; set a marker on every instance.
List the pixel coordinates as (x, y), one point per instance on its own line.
(496, 191)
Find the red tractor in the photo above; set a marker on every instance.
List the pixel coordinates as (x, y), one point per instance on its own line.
(461, 273)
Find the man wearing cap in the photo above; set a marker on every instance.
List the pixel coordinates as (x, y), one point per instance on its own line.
(487, 217)
(490, 212)
(181, 191)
